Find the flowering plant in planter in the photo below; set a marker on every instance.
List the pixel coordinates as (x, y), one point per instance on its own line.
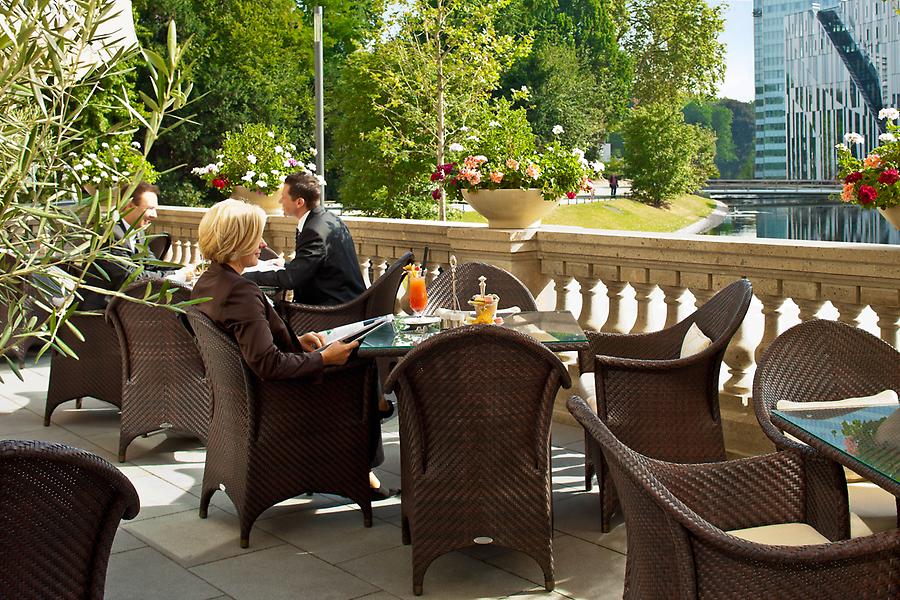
(256, 157)
(110, 165)
(872, 182)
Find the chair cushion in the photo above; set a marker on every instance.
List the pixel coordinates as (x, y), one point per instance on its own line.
(883, 398)
(695, 341)
(875, 507)
(782, 534)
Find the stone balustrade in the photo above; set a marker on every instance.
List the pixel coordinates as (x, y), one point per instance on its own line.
(628, 283)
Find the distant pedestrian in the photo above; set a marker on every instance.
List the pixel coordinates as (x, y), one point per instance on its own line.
(613, 185)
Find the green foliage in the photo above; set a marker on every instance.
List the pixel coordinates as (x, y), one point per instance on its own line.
(112, 163)
(50, 234)
(676, 48)
(665, 156)
(716, 117)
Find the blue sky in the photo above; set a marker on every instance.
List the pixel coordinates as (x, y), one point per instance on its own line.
(738, 39)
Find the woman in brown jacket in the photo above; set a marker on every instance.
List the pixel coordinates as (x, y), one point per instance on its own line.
(231, 239)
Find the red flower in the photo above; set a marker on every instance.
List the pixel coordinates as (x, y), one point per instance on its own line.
(453, 181)
(446, 168)
(571, 195)
(867, 194)
(219, 183)
(889, 177)
(437, 176)
(853, 177)
(436, 193)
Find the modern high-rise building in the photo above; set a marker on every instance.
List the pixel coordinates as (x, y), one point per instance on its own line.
(768, 50)
(842, 66)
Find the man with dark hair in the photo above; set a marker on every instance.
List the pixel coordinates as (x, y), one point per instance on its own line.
(138, 214)
(325, 269)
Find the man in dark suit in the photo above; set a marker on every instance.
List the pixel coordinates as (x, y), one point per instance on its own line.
(139, 213)
(325, 269)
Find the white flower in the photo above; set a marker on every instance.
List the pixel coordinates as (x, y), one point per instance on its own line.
(278, 149)
(91, 155)
(456, 147)
(463, 128)
(311, 167)
(312, 151)
(104, 145)
(524, 88)
(211, 168)
(598, 166)
(578, 152)
(292, 147)
(263, 175)
(251, 158)
(854, 138)
(321, 180)
(78, 167)
(135, 144)
(557, 129)
(473, 138)
(72, 155)
(286, 163)
(115, 178)
(249, 175)
(282, 178)
(126, 174)
(116, 147)
(219, 165)
(887, 137)
(276, 172)
(103, 174)
(271, 134)
(891, 114)
(87, 163)
(115, 159)
(260, 183)
(95, 179)
(481, 158)
(494, 124)
(840, 146)
(220, 156)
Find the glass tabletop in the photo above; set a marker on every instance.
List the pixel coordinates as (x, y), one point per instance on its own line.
(558, 330)
(869, 435)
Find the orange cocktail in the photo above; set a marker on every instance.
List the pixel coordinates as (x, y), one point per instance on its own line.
(418, 295)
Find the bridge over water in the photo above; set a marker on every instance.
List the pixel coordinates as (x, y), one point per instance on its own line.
(725, 189)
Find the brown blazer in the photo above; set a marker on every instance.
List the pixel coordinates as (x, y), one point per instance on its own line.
(240, 308)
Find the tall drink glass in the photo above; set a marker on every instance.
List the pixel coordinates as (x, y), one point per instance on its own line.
(418, 295)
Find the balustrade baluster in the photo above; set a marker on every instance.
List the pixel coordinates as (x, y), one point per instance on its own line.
(739, 358)
(672, 295)
(808, 308)
(701, 297)
(642, 292)
(848, 313)
(561, 284)
(887, 323)
(379, 266)
(613, 322)
(588, 317)
(771, 310)
(198, 255)
(177, 252)
(364, 270)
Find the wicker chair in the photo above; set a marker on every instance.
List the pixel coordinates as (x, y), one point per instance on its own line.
(164, 384)
(681, 522)
(96, 371)
(475, 409)
(272, 440)
(657, 403)
(379, 299)
(512, 292)
(159, 244)
(819, 361)
(61, 508)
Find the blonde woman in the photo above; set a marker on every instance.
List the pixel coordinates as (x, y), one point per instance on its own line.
(231, 239)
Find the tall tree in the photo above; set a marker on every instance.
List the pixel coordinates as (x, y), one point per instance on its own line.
(425, 71)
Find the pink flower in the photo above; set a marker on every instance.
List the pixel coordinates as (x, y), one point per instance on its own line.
(848, 192)
(512, 164)
(437, 176)
(571, 195)
(889, 177)
(873, 161)
(496, 176)
(533, 171)
(436, 193)
(867, 194)
(447, 168)
(470, 163)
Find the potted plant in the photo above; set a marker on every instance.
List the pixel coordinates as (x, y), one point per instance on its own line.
(872, 182)
(501, 173)
(253, 162)
(109, 165)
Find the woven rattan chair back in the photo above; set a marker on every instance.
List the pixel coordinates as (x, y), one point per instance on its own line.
(512, 292)
(96, 372)
(164, 383)
(677, 517)
(819, 361)
(657, 403)
(475, 409)
(60, 510)
(379, 299)
(267, 254)
(273, 440)
(159, 245)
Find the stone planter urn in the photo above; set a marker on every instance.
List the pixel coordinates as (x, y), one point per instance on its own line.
(271, 203)
(892, 215)
(510, 209)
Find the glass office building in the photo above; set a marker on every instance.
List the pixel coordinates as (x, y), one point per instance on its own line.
(842, 66)
(769, 63)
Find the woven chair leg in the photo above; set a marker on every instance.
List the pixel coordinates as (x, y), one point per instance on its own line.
(367, 513)
(608, 499)
(78, 403)
(205, 497)
(404, 527)
(123, 446)
(589, 469)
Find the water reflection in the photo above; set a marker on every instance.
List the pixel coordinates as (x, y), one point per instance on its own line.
(817, 219)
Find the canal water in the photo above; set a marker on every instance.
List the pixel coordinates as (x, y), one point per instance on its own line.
(806, 218)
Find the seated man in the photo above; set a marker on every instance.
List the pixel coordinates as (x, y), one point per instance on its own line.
(140, 212)
(325, 269)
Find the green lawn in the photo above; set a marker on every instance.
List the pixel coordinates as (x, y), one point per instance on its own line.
(625, 214)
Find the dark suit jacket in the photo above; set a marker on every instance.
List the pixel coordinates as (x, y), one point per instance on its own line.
(325, 270)
(117, 272)
(239, 307)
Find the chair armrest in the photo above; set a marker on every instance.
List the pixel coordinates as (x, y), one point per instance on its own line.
(656, 345)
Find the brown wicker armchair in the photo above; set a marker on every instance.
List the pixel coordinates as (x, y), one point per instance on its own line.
(512, 292)
(475, 409)
(61, 508)
(682, 522)
(164, 384)
(273, 440)
(820, 361)
(97, 370)
(379, 299)
(159, 244)
(655, 402)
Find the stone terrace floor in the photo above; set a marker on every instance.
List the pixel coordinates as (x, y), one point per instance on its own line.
(307, 547)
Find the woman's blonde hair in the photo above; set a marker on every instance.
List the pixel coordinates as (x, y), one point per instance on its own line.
(230, 230)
